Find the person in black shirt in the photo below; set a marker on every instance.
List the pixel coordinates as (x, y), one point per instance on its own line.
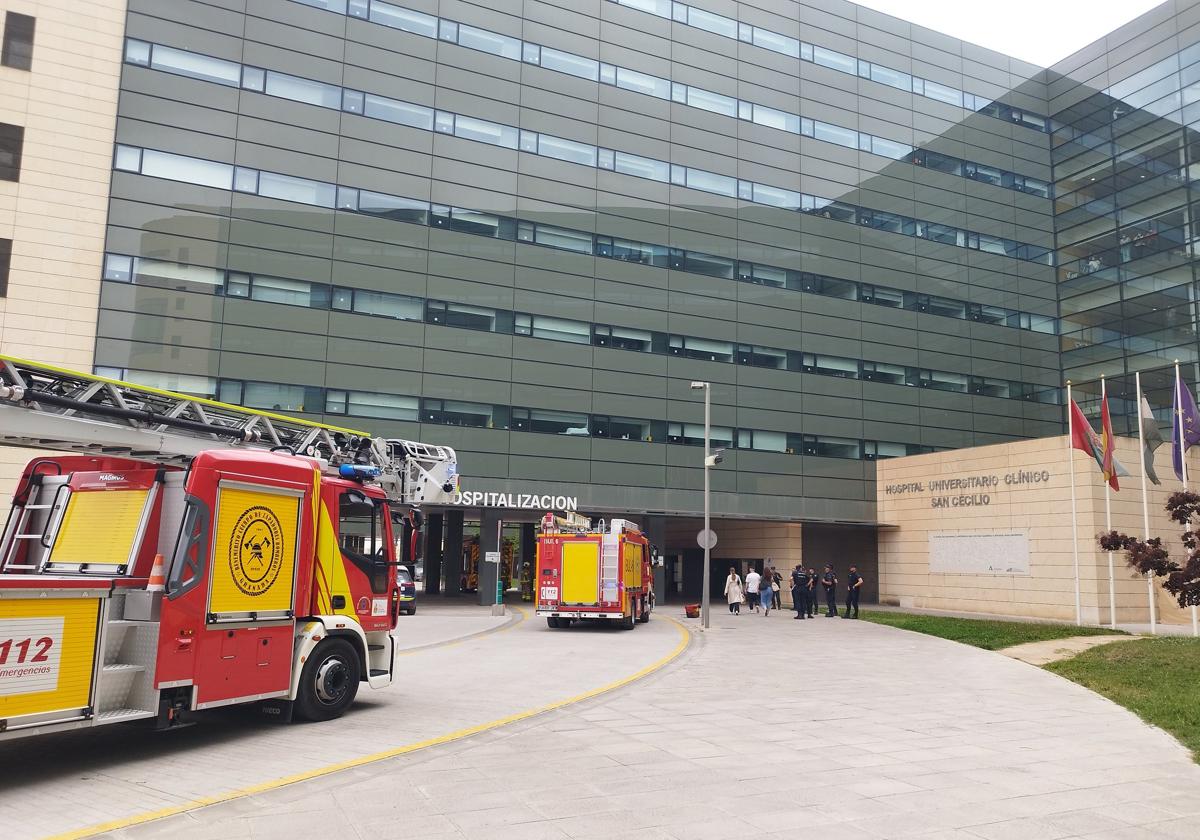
(829, 581)
(776, 590)
(810, 592)
(854, 584)
(799, 591)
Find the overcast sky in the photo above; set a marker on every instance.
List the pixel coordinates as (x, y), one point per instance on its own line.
(1038, 31)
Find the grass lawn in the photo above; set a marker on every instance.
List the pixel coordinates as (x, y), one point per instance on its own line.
(984, 633)
(1157, 679)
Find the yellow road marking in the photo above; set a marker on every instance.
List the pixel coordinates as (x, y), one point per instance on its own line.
(173, 810)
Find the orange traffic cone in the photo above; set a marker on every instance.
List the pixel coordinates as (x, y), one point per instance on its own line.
(158, 576)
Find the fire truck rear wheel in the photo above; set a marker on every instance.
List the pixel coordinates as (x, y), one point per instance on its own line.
(552, 623)
(329, 681)
(627, 622)
(644, 615)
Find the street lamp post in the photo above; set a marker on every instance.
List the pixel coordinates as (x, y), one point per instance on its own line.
(708, 462)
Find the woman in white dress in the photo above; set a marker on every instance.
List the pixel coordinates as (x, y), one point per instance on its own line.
(733, 592)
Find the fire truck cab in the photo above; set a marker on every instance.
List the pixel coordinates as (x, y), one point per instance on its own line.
(148, 587)
(586, 572)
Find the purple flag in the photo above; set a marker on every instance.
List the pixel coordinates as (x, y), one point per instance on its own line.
(1186, 419)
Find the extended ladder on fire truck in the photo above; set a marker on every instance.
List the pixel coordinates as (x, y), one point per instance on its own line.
(47, 407)
(178, 554)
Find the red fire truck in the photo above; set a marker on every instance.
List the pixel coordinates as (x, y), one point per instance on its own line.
(176, 554)
(593, 573)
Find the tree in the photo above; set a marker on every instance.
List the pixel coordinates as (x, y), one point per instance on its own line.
(1149, 556)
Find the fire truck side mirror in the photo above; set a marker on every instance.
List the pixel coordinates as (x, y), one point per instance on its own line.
(413, 516)
(655, 558)
(357, 503)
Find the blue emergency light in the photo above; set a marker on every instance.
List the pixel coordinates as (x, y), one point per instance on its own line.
(358, 472)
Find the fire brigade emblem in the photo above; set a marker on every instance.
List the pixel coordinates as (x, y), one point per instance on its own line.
(256, 550)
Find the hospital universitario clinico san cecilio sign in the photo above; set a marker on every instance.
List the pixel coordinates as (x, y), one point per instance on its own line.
(970, 490)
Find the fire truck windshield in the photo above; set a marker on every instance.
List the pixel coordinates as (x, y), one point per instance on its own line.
(362, 537)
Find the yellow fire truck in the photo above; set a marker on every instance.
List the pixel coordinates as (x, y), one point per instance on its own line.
(586, 572)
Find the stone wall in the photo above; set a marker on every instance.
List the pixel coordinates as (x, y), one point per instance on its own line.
(1020, 488)
(55, 214)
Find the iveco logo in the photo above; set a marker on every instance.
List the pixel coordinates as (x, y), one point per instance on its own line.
(111, 477)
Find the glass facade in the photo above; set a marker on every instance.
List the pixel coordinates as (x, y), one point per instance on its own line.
(525, 237)
(1125, 152)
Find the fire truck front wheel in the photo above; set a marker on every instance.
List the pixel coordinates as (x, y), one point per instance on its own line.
(329, 681)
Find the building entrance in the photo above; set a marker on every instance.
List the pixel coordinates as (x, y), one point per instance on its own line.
(457, 542)
(515, 566)
(748, 544)
(457, 546)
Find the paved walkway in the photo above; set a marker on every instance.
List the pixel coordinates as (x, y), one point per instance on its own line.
(1053, 650)
(765, 727)
(64, 783)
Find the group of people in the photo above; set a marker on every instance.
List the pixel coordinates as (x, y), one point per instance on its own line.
(756, 591)
(761, 592)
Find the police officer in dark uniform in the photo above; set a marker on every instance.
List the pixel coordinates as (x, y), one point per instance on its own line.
(810, 592)
(829, 581)
(854, 584)
(799, 591)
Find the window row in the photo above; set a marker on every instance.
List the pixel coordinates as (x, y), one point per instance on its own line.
(993, 175)
(308, 399)
(1168, 236)
(1160, 89)
(1129, 129)
(665, 89)
(793, 47)
(1122, 180)
(142, 271)
(463, 220)
(656, 86)
(511, 137)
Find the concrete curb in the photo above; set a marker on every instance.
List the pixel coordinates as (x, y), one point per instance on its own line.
(518, 615)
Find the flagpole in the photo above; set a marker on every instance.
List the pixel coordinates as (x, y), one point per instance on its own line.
(1183, 460)
(1074, 515)
(1112, 584)
(1137, 384)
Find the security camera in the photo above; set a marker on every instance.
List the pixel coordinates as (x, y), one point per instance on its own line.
(716, 457)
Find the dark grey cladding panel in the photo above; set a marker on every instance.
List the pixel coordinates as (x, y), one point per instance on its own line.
(251, 339)
(192, 26)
